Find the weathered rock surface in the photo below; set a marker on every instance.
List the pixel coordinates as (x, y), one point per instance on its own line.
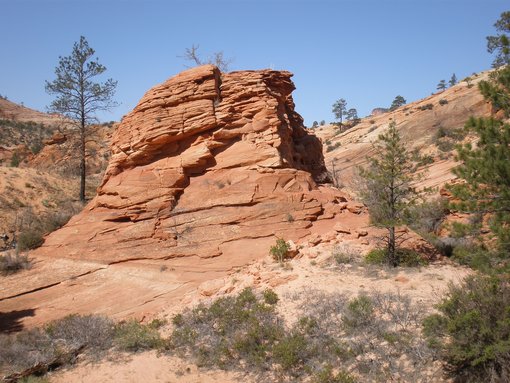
(419, 123)
(205, 163)
(206, 172)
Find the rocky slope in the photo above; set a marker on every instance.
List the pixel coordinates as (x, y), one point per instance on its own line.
(12, 111)
(206, 173)
(424, 124)
(39, 165)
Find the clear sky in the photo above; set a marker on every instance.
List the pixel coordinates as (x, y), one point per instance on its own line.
(366, 51)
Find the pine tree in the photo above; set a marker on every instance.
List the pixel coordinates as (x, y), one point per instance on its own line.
(387, 187)
(453, 80)
(398, 102)
(78, 96)
(352, 114)
(500, 44)
(485, 168)
(340, 109)
(442, 85)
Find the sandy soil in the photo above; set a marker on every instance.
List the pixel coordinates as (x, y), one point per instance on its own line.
(314, 270)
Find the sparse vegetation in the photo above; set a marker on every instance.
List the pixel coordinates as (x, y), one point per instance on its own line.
(280, 250)
(426, 107)
(216, 58)
(471, 332)
(12, 261)
(344, 254)
(32, 227)
(246, 332)
(407, 258)
(330, 148)
(134, 336)
(428, 216)
(443, 101)
(59, 342)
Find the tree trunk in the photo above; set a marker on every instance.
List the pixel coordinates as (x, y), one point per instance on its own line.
(392, 254)
(82, 160)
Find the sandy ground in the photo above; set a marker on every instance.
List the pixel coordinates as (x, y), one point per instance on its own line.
(314, 270)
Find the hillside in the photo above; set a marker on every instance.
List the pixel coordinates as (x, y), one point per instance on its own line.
(15, 112)
(39, 167)
(430, 126)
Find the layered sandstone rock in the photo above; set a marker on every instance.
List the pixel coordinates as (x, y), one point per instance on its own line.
(206, 164)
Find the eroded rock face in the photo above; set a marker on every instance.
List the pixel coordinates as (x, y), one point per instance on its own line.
(206, 164)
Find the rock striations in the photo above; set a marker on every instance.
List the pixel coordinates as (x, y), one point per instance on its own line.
(207, 163)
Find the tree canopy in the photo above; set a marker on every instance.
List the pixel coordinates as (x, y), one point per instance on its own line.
(485, 167)
(500, 44)
(340, 109)
(398, 102)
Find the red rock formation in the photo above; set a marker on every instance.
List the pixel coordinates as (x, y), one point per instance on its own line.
(206, 164)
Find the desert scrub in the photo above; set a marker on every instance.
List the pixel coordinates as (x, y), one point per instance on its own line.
(280, 250)
(134, 336)
(33, 227)
(59, 342)
(56, 344)
(344, 254)
(94, 333)
(367, 334)
(359, 313)
(231, 329)
(12, 262)
(326, 375)
(405, 257)
(471, 332)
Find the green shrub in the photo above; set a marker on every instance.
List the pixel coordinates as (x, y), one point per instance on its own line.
(280, 251)
(270, 297)
(376, 257)
(475, 256)
(36, 147)
(410, 258)
(359, 313)
(231, 329)
(12, 262)
(443, 101)
(426, 107)
(326, 375)
(132, 335)
(471, 332)
(445, 144)
(405, 257)
(291, 351)
(15, 160)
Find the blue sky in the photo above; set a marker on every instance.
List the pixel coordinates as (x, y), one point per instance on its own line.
(366, 51)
